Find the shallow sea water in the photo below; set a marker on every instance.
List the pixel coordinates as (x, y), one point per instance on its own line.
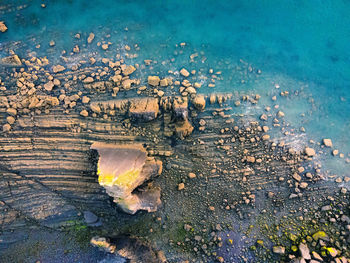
(299, 46)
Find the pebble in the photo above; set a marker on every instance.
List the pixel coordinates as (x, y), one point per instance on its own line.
(85, 99)
(309, 152)
(11, 111)
(184, 72)
(84, 113)
(192, 175)
(90, 38)
(327, 142)
(6, 127)
(335, 152)
(278, 250)
(304, 251)
(88, 80)
(181, 186)
(153, 80)
(3, 27)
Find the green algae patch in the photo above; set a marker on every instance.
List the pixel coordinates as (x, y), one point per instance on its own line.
(320, 235)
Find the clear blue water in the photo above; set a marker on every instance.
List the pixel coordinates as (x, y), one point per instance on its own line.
(298, 44)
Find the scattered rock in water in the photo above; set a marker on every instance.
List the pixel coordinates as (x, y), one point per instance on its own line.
(191, 175)
(184, 72)
(85, 99)
(335, 152)
(11, 111)
(327, 142)
(88, 80)
(3, 27)
(90, 218)
(183, 128)
(153, 80)
(49, 86)
(10, 120)
(6, 127)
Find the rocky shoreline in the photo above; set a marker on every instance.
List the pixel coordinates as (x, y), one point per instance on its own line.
(229, 193)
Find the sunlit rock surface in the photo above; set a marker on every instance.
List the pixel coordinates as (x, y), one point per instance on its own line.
(121, 169)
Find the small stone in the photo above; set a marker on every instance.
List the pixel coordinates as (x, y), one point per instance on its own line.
(303, 185)
(263, 117)
(105, 46)
(129, 70)
(56, 82)
(49, 86)
(10, 119)
(309, 152)
(3, 27)
(335, 152)
(265, 137)
(84, 113)
(327, 142)
(90, 217)
(153, 80)
(250, 159)
(199, 102)
(85, 99)
(160, 93)
(278, 250)
(6, 127)
(52, 43)
(191, 175)
(58, 68)
(164, 82)
(88, 80)
(181, 186)
(304, 251)
(280, 114)
(11, 111)
(297, 177)
(332, 251)
(90, 38)
(184, 72)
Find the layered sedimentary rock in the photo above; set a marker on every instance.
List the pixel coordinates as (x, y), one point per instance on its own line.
(121, 169)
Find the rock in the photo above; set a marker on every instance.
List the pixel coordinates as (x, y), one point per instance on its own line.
(144, 108)
(332, 251)
(122, 168)
(88, 80)
(192, 175)
(103, 244)
(303, 185)
(263, 117)
(181, 186)
(153, 80)
(278, 250)
(84, 113)
(90, 38)
(85, 99)
(56, 82)
(320, 235)
(184, 72)
(49, 86)
(129, 70)
(3, 27)
(164, 83)
(304, 251)
(95, 108)
(327, 142)
(105, 46)
(250, 159)
(199, 102)
(13, 60)
(90, 217)
(280, 114)
(180, 108)
(58, 68)
(309, 151)
(265, 137)
(6, 127)
(11, 111)
(316, 256)
(10, 119)
(335, 152)
(183, 128)
(52, 43)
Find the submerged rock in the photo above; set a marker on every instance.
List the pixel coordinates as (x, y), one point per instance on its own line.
(153, 80)
(3, 27)
(144, 108)
(13, 60)
(123, 168)
(199, 102)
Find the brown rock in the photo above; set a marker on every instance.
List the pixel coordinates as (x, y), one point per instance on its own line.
(309, 151)
(327, 142)
(199, 102)
(184, 72)
(49, 86)
(153, 80)
(129, 70)
(85, 99)
(88, 80)
(6, 127)
(191, 175)
(84, 113)
(11, 111)
(90, 38)
(13, 60)
(58, 68)
(10, 119)
(181, 186)
(3, 27)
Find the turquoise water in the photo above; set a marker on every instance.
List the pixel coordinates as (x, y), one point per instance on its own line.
(300, 45)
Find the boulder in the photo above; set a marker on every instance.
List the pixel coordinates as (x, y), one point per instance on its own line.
(123, 168)
(144, 108)
(199, 102)
(90, 38)
(304, 251)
